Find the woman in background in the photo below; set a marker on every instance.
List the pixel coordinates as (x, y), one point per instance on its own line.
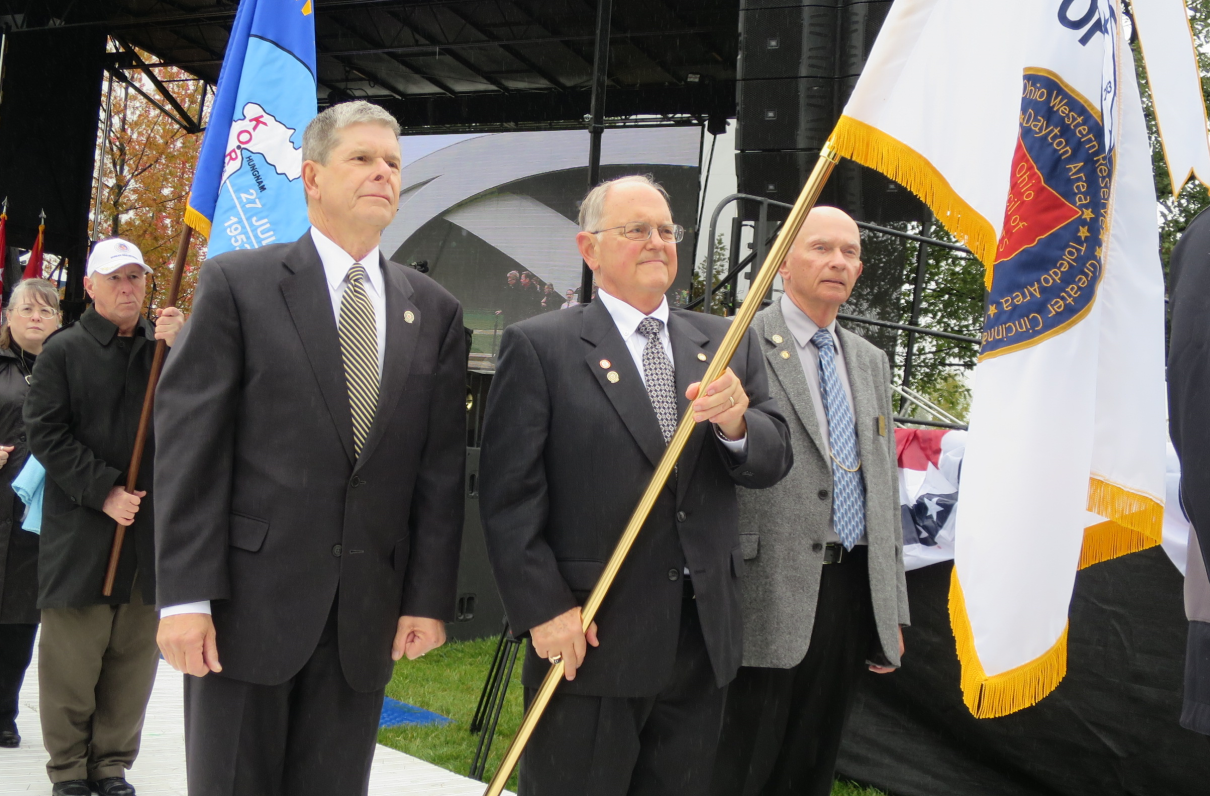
(33, 314)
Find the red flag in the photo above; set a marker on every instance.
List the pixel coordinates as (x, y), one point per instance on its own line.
(33, 269)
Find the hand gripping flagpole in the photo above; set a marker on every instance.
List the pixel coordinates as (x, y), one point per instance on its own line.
(739, 327)
(153, 378)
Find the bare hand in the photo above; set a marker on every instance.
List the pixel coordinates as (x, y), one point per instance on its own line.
(723, 404)
(5, 450)
(889, 669)
(416, 635)
(168, 324)
(123, 505)
(187, 641)
(564, 635)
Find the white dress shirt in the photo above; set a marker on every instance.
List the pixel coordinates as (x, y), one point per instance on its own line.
(803, 329)
(627, 319)
(336, 262)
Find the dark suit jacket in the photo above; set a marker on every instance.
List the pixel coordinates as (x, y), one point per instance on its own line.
(566, 455)
(81, 416)
(262, 508)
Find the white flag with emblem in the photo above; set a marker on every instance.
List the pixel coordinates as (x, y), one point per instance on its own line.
(1020, 124)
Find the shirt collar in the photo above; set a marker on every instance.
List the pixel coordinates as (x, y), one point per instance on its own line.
(801, 325)
(337, 262)
(626, 317)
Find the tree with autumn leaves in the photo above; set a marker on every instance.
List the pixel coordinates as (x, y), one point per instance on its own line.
(146, 170)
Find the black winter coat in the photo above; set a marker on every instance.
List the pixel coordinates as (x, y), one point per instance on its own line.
(18, 548)
(81, 416)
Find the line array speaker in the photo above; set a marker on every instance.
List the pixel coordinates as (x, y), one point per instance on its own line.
(798, 64)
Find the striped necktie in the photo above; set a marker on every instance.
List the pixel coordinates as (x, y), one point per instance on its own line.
(848, 488)
(359, 352)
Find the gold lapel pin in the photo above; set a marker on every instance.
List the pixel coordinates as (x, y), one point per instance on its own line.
(613, 377)
(785, 354)
(701, 357)
(776, 338)
(409, 316)
(605, 363)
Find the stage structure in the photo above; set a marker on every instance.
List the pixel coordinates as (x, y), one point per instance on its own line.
(473, 65)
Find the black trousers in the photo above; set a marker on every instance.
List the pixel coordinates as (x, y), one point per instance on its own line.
(310, 735)
(782, 727)
(649, 746)
(16, 651)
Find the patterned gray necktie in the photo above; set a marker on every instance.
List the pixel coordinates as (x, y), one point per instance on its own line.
(659, 376)
(848, 488)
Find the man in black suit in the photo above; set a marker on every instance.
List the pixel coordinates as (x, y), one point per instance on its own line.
(311, 426)
(603, 386)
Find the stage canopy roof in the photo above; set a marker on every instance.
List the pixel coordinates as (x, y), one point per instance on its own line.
(451, 64)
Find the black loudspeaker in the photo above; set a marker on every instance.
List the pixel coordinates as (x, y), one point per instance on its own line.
(862, 192)
(797, 66)
(50, 98)
(479, 613)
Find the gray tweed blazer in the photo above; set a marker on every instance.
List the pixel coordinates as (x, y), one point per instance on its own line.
(783, 529)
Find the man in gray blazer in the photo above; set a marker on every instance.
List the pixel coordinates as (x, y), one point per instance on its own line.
(823, 585)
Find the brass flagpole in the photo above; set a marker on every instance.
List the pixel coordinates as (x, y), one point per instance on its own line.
(743, 319)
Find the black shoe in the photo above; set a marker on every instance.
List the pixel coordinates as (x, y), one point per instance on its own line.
(9, 739)
(71, 787)
(113, 786)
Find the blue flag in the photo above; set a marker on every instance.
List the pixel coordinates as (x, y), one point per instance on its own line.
(247, 190)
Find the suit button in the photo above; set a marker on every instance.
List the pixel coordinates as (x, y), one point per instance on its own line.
(336, 550)
(680, 517)
(817, 547)
(21, 438)
(356, 481)
(823, 494)
(673, 574)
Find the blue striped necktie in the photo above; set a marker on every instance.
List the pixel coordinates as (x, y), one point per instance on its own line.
(848, 489)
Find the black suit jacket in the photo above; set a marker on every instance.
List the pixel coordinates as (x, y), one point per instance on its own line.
(1189, 371)
(566, 455)
(262, 507)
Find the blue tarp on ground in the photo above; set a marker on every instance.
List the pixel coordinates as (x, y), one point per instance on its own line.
(396, 713)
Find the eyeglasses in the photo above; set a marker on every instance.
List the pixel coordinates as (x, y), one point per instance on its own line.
(45, 313)
(637, 230)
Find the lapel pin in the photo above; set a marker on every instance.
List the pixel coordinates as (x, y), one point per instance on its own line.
(785, 354)
(701, 357)
(605, 363)
(613, 377)
(409, 316)
(776, 338)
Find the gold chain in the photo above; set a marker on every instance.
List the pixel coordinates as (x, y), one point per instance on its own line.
(841, 465)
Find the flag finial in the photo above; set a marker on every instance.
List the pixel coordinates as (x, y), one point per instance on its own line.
(41, 214)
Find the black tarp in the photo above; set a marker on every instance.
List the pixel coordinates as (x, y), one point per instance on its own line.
(1109, 729)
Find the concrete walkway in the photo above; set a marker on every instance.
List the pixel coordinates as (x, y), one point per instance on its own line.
(160, 769)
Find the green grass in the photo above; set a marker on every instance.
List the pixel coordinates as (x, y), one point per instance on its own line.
(448, 681)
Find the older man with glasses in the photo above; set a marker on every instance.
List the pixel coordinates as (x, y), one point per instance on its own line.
(604, 385)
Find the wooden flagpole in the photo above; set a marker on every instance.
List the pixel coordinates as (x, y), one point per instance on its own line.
(140, 440)
(739, 327)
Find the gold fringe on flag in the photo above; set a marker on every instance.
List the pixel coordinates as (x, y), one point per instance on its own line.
(1007, 692)
(198, 221)
(1133, 522)
(872, 147)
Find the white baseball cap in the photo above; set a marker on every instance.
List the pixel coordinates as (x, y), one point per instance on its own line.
(110, 255)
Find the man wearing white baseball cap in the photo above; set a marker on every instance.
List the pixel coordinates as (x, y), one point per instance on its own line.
(97, 655)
